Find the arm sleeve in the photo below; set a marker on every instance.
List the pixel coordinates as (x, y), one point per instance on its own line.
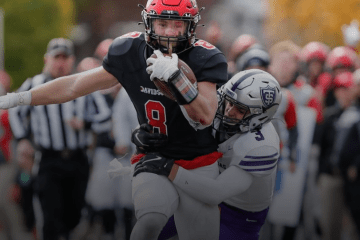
(231, 182)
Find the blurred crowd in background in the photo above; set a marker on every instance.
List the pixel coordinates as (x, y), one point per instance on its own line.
(310, 52)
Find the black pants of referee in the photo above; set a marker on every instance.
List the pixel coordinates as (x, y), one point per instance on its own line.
(59, 192)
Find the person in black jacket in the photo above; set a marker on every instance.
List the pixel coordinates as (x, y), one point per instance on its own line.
(349, 160)
(331, 140)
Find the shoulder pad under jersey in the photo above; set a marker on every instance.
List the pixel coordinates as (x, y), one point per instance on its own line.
(207, 62)
(124, 52)
(257, 152)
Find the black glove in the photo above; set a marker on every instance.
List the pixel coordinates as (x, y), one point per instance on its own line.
(154, 163)
(147, 141)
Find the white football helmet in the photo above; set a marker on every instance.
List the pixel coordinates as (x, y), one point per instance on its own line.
(255, 91)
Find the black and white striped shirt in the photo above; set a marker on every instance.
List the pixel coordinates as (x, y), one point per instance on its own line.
(47, 124)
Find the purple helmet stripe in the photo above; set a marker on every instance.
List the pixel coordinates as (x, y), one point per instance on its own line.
(240, 80)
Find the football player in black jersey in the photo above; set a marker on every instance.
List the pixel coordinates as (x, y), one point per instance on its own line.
(170, 34)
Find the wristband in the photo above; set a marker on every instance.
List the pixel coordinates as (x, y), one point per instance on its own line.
(181, 87)
(24, 98)
(21, 98)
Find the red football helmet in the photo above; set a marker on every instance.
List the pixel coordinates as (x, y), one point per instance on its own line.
(185, 10)
(314, 50)
(341, 57)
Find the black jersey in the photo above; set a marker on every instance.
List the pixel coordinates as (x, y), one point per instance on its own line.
(126, 60)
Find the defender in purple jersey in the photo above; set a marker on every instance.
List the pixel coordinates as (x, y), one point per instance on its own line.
(250, 147)
(170, 34)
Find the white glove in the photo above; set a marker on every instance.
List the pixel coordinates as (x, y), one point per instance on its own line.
(14, 99)
(162, 67)
(351, 33)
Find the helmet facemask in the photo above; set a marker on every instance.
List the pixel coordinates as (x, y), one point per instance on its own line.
(169, 44)
(234, 125)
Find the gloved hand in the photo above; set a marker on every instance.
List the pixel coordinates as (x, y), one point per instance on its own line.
(154, 163)
(145, 140)
(351, 33)
(162, 67)
(14, 99)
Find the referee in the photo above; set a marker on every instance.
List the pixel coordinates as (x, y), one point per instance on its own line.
(61, 166)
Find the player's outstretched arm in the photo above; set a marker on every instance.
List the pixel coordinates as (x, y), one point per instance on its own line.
(229, 183)
(71, 87)
(61, 89)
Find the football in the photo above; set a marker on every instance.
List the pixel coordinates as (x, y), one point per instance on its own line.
(164, 86)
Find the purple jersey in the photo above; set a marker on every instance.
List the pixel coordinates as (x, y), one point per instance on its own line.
(126, 60)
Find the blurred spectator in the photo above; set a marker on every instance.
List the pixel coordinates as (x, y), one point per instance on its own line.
(285, 67)
(331, 141)
(213, 34)
(5, 82)
(105, 195)
(101, 191)
(87, 64)
(256, 57)
(313, 56)
(124, 121)
(102, 49)
(238, 47)
(349, 154)
(11, 217)
(340, 59)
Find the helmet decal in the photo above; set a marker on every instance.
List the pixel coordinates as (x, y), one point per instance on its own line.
(268, 95)
(247, 75)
